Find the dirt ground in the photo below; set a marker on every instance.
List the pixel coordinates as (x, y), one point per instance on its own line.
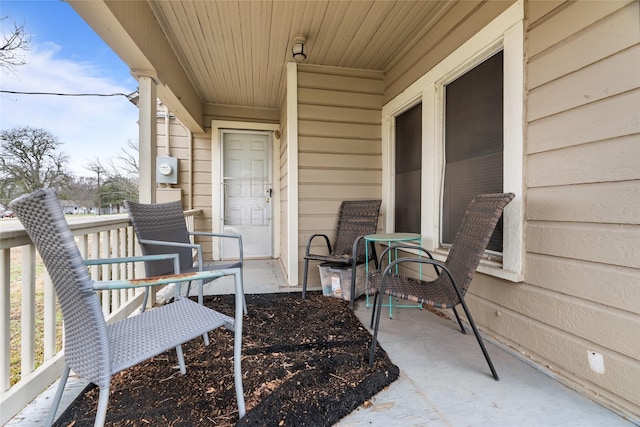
(305, 363)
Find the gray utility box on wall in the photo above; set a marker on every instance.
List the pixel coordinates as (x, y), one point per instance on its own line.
(336, 280)
(167, 170)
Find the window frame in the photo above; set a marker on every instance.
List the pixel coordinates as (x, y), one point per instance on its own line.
(506, 32)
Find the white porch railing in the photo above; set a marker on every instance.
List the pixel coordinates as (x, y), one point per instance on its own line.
(27, 297)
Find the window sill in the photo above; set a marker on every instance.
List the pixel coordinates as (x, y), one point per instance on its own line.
(489, 266)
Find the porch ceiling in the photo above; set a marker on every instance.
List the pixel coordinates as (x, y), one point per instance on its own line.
(235, 52)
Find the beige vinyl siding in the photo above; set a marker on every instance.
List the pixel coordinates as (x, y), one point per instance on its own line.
(458, 21)
(339, 148)
(582, 209)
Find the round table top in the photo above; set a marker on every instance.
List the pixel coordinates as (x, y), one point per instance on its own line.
(393, 237)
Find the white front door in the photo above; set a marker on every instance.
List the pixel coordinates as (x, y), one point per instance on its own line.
(246, 192)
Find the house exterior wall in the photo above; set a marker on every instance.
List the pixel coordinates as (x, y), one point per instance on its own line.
(581, 288)
(581, 292)
(339, 147)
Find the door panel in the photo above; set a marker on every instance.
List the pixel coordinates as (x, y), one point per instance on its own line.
(247, 193)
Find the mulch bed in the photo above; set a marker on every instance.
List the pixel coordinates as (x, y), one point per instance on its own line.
(305, 363)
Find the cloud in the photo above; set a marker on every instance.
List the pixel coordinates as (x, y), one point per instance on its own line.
(88, 127)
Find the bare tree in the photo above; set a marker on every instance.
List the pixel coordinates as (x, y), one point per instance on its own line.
(130, 158)
(29, 160)
(12, 46)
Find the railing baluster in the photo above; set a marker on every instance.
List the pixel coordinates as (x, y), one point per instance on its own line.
(50, 325)
(28, 311)
(5, 315)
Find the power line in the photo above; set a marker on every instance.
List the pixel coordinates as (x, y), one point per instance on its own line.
(128, 96)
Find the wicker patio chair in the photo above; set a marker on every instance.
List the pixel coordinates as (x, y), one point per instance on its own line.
(94, 349)
(161, 229)
(454, 275)
(355, 220)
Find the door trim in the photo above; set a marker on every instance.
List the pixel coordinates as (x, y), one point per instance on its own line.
(217, 126)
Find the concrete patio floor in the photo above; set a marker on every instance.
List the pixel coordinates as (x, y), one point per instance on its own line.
(444, 380)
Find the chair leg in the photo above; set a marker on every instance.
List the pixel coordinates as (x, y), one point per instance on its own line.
(205, 337)
(464, 331)
(354, 269)
(183, 368)
(304, 279)
(373, 309)
(479, 338)
(237, 348)
(145, 299)
(101, 413)
(58, 396)
(244, 299)
(374, 340)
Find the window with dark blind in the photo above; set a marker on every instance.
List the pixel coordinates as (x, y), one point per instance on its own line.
(473, 143)
(408, 170)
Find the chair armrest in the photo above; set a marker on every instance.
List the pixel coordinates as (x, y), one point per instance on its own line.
(224, 236)
(153, 281)
(313, 236)
(167, 243)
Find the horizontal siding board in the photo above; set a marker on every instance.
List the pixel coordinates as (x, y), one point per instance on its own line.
(606, 244)
(612, 34)
(569, 21)
(608, 285)
(339, 130)
(339, 145)
(341, 83)
(332, 161)
(587, 85)
(317, 224)
(344, 192)
(542, 10)
(325, 113)
(611, 160)
(609, 118)
(564, 353)
(334, 176)
(339, 99)
(323, 207)
(605, 326)
(613, 203)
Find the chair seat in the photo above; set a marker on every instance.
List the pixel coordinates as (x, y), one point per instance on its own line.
(181, 320)
(430, 293)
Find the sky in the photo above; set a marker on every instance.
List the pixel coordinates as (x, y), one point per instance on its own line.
(66, 56)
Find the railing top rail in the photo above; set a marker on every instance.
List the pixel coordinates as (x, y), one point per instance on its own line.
(12, 234)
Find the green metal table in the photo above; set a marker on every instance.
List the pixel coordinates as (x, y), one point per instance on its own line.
(390, 239)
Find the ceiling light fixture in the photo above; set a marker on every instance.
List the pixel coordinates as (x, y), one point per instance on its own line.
(297, 49)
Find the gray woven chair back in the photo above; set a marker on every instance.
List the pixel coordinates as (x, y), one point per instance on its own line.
(479, 222)
(355, 218)
(41, 215)
(161, 221)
